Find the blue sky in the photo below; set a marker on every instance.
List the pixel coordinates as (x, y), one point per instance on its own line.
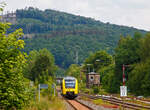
(134, 13)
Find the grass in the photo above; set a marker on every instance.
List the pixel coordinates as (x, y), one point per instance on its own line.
(138, 102)
(105, 104)
(47, 104)
(85, 98)
(101, 102)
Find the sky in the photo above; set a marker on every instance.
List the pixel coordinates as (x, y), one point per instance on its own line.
(135, 13)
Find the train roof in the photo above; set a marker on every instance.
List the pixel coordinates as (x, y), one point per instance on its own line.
(69, 77)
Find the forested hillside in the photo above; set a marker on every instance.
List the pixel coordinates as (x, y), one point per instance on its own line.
(67, 36)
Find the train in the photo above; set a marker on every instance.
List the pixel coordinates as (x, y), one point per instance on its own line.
(69, 87)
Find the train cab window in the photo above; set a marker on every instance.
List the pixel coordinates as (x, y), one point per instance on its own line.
(70, 83)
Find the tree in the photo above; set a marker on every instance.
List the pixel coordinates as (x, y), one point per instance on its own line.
(13, 91)
(40, 65)
(139, 83)
(127, 52)
(144, 47)
(98, 60)
(108, 80)
(74, 70)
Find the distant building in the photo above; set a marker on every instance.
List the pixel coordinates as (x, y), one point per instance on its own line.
(92, 79)
(9, 17)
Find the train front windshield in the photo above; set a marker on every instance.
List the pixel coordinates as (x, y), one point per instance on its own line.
(70, 83)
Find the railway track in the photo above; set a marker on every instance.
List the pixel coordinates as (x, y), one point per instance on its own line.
(118, 102)
(78, 105)
(75, 104)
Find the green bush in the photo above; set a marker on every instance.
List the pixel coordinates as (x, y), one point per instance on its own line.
(96, 90)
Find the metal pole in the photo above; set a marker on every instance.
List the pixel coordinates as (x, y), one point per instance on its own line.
(123, 102)
(123, 68)
(39, 92)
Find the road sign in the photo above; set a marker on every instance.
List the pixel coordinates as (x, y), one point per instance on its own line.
(123, 91)
(43, 86)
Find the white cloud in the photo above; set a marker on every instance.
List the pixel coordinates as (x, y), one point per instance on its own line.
(124, 12)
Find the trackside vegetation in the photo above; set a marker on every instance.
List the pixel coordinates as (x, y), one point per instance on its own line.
(20, 74)
(46, 104)
(17, 70)
(14, 92)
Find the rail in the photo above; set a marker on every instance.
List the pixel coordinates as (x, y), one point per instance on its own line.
(78, 105)
(117, 101)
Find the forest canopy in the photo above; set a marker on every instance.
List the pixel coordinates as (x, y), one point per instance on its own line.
(66, 35)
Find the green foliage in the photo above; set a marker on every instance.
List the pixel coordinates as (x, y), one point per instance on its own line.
(40, 65)
(98, 60)
(48, 28)
(144, 48)
(14, 92)
(60, 72)
(127, 53)
(134, 53)
(50, 91)
(96, 90)
(108, 80)
(82, 85)
(139, 82)
(65, 52)
(47, 104)
(74, 70)
(40, 68)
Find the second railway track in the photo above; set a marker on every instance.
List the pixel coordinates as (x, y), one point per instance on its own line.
(119, 102)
